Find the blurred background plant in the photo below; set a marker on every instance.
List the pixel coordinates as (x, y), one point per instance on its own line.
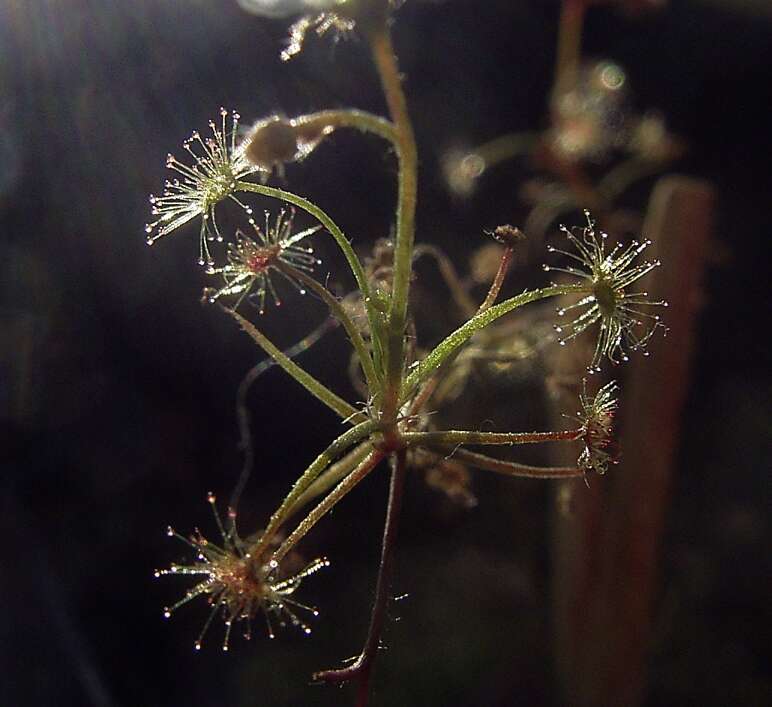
(112, 432)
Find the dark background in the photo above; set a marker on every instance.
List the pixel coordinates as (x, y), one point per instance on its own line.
(117, 386)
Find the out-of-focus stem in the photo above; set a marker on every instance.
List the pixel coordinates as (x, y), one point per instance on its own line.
(607, 550)
(569, 47)
(504, 148)
(457, 290)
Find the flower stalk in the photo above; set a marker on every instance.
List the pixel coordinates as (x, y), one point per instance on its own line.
(391, 81)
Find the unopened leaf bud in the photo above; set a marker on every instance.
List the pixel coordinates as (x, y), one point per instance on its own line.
(276, 141)
(271, 142)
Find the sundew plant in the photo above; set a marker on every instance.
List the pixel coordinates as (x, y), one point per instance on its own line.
(255, 579)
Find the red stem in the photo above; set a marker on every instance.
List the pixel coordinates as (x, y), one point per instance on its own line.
(498, 280)
(361, 668)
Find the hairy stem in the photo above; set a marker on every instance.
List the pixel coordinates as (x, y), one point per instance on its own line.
(489, 438)
(386, 64)
(317, 389)
(350, 118)
(342, 316)
(332, 475)
(482, 461)
(329, 501)
(338, 447)
(465, 332)
(242, 414)
(361, 668)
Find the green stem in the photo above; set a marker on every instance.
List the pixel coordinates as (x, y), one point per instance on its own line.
(329, 501)
(449, 437)
(342, 316)
(338, 447)
(425, 394)
(465, 332)
(391, 81)
(569, 49)
(351, 118)
(329, 224)
(332, 475)
(316, 388)
(482, 461)
(504, 148)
